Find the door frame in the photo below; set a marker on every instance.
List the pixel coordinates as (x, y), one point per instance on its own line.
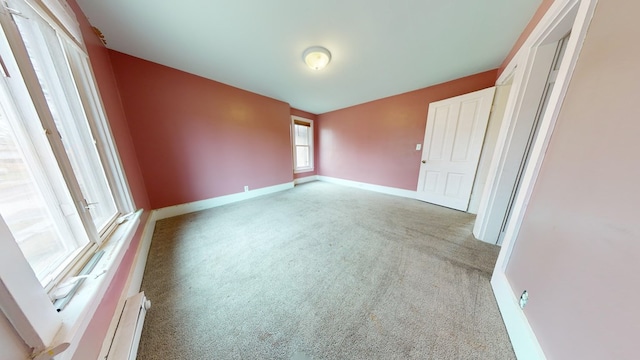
(563, 15)
(511, 143)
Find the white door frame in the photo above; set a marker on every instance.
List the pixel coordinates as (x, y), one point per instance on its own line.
(553, 26)
(513, 136)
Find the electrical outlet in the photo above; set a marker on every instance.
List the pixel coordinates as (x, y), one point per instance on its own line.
(523, 299)
(246, 188)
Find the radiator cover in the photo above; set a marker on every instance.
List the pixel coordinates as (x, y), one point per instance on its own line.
(127, 335)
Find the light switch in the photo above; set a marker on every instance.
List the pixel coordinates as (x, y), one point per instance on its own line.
(418, 146)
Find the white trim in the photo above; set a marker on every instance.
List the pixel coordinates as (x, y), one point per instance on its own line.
(411, 194)
(305, 179)
(522, 336)
(521, 67)
(579, 30)
(523, 339)
(22, 299)
(63, 13)
(134, 281)
(303, 170)
(522, 106)
(101, 128)
(509, 70)
(171, 211)
(82, 308)
(496, 118)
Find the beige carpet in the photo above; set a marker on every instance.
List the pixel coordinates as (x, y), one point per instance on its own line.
(321, 272)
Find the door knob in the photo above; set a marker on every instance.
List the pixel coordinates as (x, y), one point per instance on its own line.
(424, 161)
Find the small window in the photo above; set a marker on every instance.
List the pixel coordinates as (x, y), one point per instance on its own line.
(302, 145)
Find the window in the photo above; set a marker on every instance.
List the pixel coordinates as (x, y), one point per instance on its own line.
(61, 185)
(302, 144)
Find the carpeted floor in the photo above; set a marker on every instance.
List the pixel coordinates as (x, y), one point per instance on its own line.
(321, 272)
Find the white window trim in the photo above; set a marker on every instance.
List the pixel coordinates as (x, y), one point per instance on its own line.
(77, 315)
(23, 300)
(311, 166)
(106, 144)
(28, 307)
(62, 14)
(99, 127)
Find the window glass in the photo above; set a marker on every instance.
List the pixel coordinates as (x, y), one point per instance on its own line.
(45, 243)
(302, 135)
(48, 58)
(59, 171)
(302, 144)
(302, 156)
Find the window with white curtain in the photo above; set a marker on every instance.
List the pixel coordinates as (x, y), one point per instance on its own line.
(62, 188)
(302, 144)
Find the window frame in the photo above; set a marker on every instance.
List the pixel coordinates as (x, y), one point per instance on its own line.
(86, 85)
(25, 302)
(311, 167)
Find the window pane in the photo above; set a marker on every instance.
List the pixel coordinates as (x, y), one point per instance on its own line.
(302, 157)
(26, 212)
(47, 56)
(302, 135)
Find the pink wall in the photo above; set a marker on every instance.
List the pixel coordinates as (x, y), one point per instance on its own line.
(314, 117)
(578, 249)
(542, 9)
(376, 142)
(304, 114)
(197, 138)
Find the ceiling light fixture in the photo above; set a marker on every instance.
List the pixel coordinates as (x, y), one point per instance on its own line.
(316, 57)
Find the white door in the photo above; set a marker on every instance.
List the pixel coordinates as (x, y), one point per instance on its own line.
(452, 145)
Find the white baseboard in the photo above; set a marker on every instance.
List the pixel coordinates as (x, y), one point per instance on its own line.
(523, 339)
(305, 179)
(171, 211)
(411, 194)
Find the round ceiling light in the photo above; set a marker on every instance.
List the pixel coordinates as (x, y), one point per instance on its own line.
(316, 57)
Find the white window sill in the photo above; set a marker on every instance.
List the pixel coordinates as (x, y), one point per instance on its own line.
(84, 304)
(302, 170)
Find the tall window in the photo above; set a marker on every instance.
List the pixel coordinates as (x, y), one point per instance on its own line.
(61, 187)
(302, 144)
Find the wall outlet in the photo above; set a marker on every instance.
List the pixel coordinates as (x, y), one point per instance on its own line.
(523, 299)
(418, 146)
(246, 188)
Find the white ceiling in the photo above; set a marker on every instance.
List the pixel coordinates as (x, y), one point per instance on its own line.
(379, 47)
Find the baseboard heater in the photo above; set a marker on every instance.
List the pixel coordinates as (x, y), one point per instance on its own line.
(127, 335)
